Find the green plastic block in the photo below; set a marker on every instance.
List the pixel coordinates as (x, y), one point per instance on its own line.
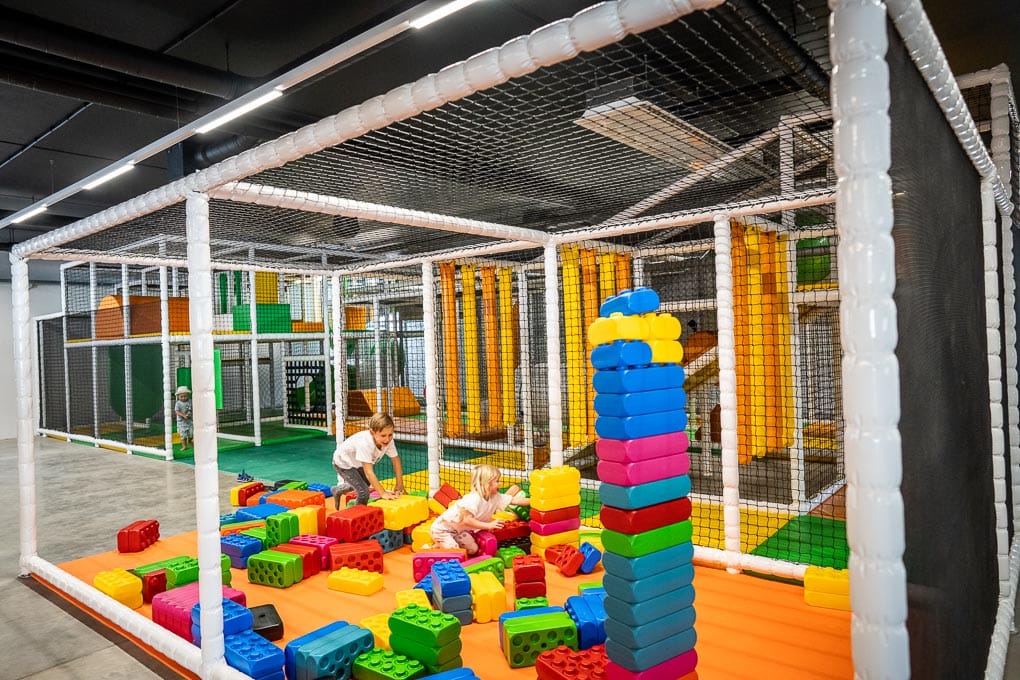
(257, 532)
(636, 545)
(525, 637)
(276, 569)
(281, 527)
(380, 664)
(156, 566)
(508, 553)
(427, 654)
(425, 625)
(581, 587)
(456, 662)
(296, 486)
(523, 603)
(493, 564)
(181, 572)
(523, 512)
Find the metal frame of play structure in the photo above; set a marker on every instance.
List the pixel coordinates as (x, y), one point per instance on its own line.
(864, 218)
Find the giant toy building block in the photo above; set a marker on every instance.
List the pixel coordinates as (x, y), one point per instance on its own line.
(121, 585)
(648, 613)
(137, 536)
(354, 523)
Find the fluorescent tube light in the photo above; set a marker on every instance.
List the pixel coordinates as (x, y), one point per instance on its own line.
(29, 215)
(444, 11)
(103, 179)
(240, 111)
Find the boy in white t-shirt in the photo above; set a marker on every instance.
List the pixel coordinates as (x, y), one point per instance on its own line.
(356, 457)
(474, 510)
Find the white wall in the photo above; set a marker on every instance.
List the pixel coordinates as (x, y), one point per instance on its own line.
(44, 298)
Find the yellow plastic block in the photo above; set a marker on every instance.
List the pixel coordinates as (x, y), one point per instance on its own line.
(571, 537)
(308, 518)
(505, 515)
(488, 597)
(412, 596)
(827, 600)
(404, 511)
(421, 536)
(618, 327)
(666, 351)
(554, 502)
(562, 476)
(356, 581)
(662, 326)
(379, 624)
(827, 580)
(436, 507)
(121, 585)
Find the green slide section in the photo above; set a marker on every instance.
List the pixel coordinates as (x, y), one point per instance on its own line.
(818, 541)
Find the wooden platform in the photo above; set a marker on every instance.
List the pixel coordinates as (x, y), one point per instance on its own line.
(748, 628)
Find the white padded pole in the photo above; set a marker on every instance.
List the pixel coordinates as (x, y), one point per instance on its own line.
(527, 408)
(203, 392)
(339, 359)
(727, 392)
(67, 366)
(377, 338)
(129, 411)
(433, 419)
(93, 308)
(871, 389)
(552, 351)
(22, 340)
(168, 381)
(326, 333)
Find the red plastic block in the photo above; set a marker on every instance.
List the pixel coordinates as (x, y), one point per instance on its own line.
(559, 514)
(528, 568)
(245, 493)
(511, 530)
(364, 555)
(153, 583)
(311, 560)
(354, 523)
(569, 560)
(563, 663)
(645, 519)
(529, 589)
(446, 494)
(137, 536)
(553, 552)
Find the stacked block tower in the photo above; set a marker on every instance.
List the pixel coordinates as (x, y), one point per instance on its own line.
(643, 466)
(555, 507)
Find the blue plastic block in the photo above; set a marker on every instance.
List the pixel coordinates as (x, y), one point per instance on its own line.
(636, 637)
(643, 495)
(451, 603)
(389, 539)
(592, 557)
(227, 519)
(636, 568)
(640, 613)
(251, 653)
(649, 587)
(258, 512)
(267, 494)
(426, 584)
(239, 548)
(648, 425)
(640, 403)
(449, 579)
(638, 660)
(236, 617)
(590, 627)
(325, 489)
(290, 650)
(524, 612)
(333, 654)
(465, 616)
(637, 301)
(456, 674)
(279, 675)
(626, 380)
(621, 354)
(595, 591)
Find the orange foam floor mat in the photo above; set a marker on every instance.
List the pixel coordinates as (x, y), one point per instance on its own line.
(748, 628)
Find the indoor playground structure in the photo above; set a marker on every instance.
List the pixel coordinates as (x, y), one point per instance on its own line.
(663, 286)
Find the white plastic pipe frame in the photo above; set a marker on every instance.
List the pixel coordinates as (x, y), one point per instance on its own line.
(433, 418)
(864, 217)
(552, 353)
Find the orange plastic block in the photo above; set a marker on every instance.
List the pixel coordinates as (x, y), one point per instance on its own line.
(240, 527)
(403, 512)
(298, 498)
(253, 499)
(488, 597)
(379, 624)
(121, 585)
(445, 495)
(356, 581)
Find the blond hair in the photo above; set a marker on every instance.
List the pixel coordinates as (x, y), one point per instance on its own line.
(379, 422)
(481, 476)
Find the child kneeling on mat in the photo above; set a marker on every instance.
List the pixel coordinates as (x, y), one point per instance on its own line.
(474, 511)
(354, 461)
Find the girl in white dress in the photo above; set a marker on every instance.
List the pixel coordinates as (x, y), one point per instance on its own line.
(474, 511)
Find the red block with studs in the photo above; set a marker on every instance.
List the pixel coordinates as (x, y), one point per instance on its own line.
(245, 493)
(511, 530)
(528, 568)
(153, 583)
(355, 523)
(445, 495)
(569, 560)
(311, 561)
(137, 536)
(365, 555)
(563, 663)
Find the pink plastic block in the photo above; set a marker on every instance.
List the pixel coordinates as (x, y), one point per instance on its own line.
(172, 608)
(320, 542)
(629, 474)
(643, 448)
(421, 564)
(670, 669)
(555, 527)
(487, 543)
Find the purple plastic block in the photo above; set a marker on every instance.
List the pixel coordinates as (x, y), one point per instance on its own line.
(677, 667)
(628, 474)
(316, 541)
(645, 448)
(555, 527)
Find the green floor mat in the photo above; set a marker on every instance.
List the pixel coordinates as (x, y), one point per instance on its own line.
(818, 541)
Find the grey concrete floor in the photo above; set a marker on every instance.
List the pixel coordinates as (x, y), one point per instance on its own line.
(84, 496)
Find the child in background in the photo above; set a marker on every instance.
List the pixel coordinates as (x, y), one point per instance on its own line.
(355, 458)
(182, 409)
(474, 511)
